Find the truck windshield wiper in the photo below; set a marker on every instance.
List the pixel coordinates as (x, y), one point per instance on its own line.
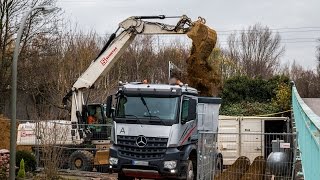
(131, 115)
(145, 104)
(155, 121)
(151, 116)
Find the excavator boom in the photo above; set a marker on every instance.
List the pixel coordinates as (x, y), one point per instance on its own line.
(130, 28)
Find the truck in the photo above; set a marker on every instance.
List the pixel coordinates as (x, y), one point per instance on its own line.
(156, 130)
(87, 145)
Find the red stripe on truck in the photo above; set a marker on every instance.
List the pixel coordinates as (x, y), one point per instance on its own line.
(188, 135)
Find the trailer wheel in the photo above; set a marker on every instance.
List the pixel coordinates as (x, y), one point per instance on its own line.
(81, 160)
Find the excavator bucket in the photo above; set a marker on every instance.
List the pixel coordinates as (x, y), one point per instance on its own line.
(200, 70)
(203, 38)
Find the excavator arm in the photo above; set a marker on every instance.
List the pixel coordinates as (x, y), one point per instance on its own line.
(130, 28)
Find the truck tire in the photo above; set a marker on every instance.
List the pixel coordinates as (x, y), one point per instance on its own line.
(190, 171)
(81, 160)
(123, 177)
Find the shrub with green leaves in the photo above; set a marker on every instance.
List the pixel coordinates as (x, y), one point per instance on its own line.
(247, 96)
(248, 109)
(29, 160)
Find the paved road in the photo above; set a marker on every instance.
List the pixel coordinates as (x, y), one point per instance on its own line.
(314, 104)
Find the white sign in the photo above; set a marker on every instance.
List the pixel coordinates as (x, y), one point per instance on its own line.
(285, 145)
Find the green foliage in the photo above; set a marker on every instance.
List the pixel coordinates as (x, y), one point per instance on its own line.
(29, 159)
(282, 99)
(241, 88)
(247, 96)
(22, 172)
(248, 109)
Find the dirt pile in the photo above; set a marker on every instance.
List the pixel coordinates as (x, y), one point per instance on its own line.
(236, 170)
(256, 170)
(4, 132)
(200, 71)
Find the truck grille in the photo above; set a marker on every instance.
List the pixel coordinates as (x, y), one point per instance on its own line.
(154, 149)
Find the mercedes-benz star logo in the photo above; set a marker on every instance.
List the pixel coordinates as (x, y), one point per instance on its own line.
(141, 141)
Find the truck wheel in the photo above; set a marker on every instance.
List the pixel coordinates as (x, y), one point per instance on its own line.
(81, 160)
(190, 172)
(123, 177)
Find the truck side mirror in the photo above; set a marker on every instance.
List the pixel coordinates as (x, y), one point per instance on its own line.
(109, 109)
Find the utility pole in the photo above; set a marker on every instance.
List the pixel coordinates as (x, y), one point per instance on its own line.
(13, 131)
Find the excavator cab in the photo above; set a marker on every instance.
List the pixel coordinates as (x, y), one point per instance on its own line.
(95, 121)
(95, 114)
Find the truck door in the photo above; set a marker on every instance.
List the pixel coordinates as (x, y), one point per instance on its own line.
(188, 116)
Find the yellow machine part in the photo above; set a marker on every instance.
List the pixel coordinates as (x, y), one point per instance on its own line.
(200, 71)
(102, 156)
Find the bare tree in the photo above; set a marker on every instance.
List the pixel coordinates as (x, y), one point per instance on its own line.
(53, 136)
(318, 58)
(37, 26)
(256, 51)
(305, 81)
(11, 12)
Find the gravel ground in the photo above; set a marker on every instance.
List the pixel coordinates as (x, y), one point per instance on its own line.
(83, 175)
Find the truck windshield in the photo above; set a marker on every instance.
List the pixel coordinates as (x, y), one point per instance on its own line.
(164, 108)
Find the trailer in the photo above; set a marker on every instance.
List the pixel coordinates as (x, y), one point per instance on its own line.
(249, 136)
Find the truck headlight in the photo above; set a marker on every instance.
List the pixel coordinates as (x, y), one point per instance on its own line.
(113, 160)
(170, 164)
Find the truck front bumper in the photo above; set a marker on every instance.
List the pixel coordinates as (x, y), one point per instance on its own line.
(150, 168)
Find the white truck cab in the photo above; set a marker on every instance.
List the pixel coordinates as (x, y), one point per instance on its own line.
(156, 130)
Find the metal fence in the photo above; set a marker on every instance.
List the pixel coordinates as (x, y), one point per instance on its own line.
(246, 156)
(207, 155)
(308, 129)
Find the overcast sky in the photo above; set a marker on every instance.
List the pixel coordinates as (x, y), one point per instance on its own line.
(297, 21)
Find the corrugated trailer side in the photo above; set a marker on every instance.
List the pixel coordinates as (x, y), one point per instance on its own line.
(244, 136)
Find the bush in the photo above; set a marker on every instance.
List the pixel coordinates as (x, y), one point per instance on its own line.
(247, 96)
(29, 160)
(248, 109)
(243, 88)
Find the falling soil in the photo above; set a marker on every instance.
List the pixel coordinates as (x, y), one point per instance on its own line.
(200, 72)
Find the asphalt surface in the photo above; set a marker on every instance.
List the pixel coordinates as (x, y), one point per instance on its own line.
(314, 104)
